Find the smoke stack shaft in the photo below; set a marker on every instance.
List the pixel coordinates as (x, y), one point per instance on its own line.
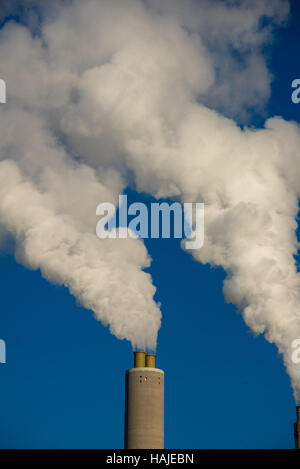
(144, 405)
(297, 429)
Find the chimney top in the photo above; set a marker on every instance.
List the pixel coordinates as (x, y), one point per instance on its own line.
(150, 360)
(139, 359)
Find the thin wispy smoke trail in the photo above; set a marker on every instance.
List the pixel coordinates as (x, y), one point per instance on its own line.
(100, 92)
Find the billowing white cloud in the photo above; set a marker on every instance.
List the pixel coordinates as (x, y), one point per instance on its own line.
(105, 91)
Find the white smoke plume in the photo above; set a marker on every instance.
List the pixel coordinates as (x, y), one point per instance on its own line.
(99, 91)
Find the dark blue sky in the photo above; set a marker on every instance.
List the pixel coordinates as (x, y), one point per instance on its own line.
(63, 383)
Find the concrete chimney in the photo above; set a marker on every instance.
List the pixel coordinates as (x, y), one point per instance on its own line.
(297, 429)
(144, 404)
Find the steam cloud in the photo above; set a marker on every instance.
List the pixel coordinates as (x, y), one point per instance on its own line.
(99, 91)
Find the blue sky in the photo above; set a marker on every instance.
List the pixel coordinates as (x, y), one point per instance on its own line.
(63, 383)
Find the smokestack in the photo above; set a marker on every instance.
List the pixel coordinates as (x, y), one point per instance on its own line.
(139, 359)
(297, 429)
(150, 360)
(144, 404)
